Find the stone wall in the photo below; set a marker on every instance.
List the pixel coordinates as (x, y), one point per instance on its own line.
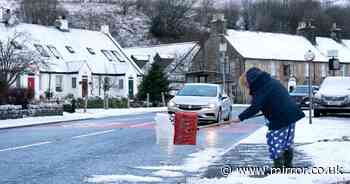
(16, 111)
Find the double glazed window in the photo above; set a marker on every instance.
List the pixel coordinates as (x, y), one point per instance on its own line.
(59, 83)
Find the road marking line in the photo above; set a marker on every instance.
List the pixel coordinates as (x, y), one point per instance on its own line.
(140, 125)
(93, 134)
(26, 146)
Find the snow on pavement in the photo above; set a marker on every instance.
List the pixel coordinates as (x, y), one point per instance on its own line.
(121, 178)
(79, 115)
(327, 144)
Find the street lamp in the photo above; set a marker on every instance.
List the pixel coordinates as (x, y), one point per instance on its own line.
(222, 50)
(309, 57)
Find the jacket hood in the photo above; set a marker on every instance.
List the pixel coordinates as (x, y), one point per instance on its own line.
(256, 79)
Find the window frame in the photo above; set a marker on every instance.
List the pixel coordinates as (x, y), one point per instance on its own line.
(121, 84)
(91, 50)
(54, 51)
(59, 83)
(42, 51)
(109, 55)
(117, 55)
(70, 49)
(74, 82)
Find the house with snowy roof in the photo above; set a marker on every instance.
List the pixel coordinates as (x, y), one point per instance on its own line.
(79, 62)
(175, 60)
(281, 55)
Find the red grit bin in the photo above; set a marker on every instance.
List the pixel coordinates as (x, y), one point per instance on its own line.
(185, 128)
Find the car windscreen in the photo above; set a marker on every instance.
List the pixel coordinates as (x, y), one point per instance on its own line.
(336, 84)
(198, 90)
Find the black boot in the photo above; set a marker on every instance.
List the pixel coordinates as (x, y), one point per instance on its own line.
(276, 167)
(288, 158)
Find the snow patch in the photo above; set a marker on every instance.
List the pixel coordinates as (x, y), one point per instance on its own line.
(121, 178)
(165, 173)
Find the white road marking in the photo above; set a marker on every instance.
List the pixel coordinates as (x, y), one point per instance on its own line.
(140, 125)
(26, 146)
(93, 134)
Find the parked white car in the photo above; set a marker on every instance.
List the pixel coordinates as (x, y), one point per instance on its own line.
(208, 100)
(333, 96)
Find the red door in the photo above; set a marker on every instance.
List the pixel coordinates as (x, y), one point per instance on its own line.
(31, 83)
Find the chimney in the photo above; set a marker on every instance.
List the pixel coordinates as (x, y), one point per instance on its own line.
(105, 29)
(306, 29)
(5, 16)
(336, 33)
(218, 24)
(61, 23)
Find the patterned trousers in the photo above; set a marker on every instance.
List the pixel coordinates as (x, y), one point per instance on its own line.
(280, 140)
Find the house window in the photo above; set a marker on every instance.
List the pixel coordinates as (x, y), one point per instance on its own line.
(91, 51)
(108, 55)
(74, 82)
(70, 49)
(121, 84)
(286, 70)
(41, 50)
(54, 51)
(117, 55)
(59, 81)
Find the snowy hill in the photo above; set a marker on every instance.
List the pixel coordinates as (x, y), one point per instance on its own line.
(129, 30)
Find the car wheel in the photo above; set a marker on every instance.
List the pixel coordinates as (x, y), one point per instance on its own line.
(317, 113)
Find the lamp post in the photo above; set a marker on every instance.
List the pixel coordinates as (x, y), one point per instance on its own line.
(309, 57)
(222, 51)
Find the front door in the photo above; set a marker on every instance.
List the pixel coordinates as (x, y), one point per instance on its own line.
(131, 87)
(31, 83)
(84, 88)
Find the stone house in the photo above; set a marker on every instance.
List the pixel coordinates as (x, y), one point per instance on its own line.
(175, 60)
(281, 55)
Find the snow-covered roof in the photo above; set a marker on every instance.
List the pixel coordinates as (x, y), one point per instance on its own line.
(346, 43)
(272, 46)
(165, 51)
(79, 40)
(325, 44)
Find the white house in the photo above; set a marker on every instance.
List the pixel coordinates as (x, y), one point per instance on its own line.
(175, 59)
(79, 61)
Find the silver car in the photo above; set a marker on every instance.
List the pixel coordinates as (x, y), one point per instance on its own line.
(208, 100)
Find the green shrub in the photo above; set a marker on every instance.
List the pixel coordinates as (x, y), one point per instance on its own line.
(98, 103)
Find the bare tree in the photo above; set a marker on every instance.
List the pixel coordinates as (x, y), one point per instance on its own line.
(42, 12)
(15, 59)
(205, 12)
(231, 11)
(125, 5)
(169, 17)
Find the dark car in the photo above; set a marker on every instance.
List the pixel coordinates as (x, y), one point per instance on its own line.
(301, 94)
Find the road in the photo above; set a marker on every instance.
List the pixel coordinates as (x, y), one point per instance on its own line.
(123, 147)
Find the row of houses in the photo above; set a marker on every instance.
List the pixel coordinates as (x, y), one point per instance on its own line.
(80, 61)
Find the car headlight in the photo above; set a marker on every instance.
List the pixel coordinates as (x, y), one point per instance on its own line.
(171, 104)
(211, 105)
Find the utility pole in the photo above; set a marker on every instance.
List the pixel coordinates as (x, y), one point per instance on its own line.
(309, 57)
(222, 52)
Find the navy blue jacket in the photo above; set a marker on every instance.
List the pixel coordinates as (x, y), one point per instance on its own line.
(272, 98)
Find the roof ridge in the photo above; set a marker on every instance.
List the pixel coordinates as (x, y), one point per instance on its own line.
(160, 45)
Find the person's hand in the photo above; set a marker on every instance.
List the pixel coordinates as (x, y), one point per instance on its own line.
(235, 120)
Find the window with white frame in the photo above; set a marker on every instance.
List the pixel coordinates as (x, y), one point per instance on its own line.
(121, 84)
(74, 82)
(70, 49)
(117, 55)
(59, 83)
(42, 51)
(54, 51)
(108, 55)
